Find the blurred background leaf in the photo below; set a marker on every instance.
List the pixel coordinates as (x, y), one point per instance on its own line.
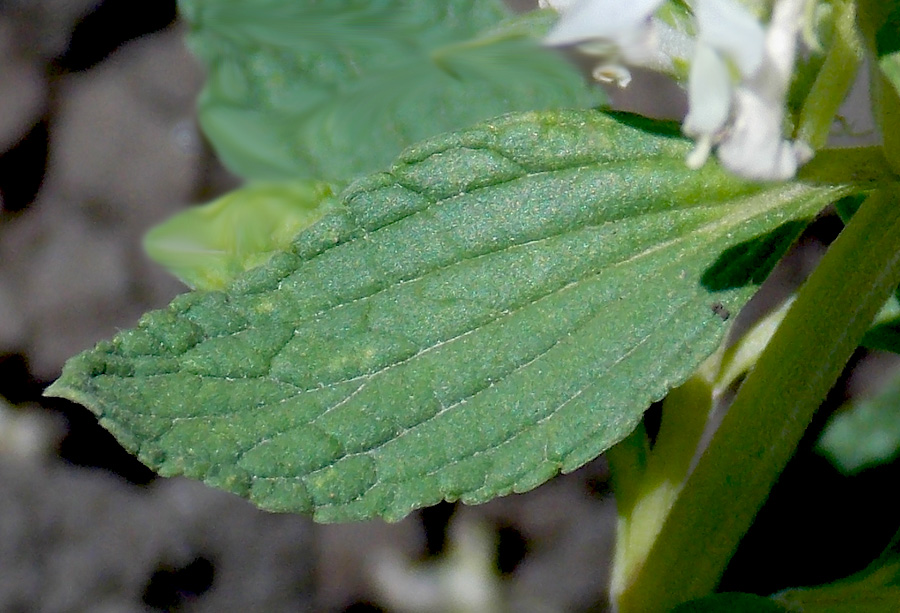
(866, 432)
(332, 90)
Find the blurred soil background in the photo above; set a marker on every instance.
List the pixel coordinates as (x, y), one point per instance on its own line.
(98, 142)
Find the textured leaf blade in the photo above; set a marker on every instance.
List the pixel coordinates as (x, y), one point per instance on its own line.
(502, 305)
(333, 90)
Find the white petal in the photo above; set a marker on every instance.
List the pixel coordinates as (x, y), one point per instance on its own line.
(613, 20)
(700, 153)
(730, 28)
(672, 44)
(557, 5)
(781, 40)
(754, 147)
(709, 93)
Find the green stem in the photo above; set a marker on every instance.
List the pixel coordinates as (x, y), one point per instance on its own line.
(740, 357)
(877, 18)
(628, 461)
(772, 410)
(833, 80)
(645, 482)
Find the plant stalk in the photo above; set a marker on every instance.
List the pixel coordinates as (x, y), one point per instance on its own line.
(771, 411)
(834, 80)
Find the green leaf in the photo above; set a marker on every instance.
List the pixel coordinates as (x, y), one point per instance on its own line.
(208, 246)
(884, 336)
(332, 90)
(730, 603)
(875, 589)
(864, 433)
(881, 21)
(502, 305)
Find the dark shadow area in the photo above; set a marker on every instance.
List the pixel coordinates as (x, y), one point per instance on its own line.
(750, 262)
(170, 588)
(886, 39)
(883, 337)
(653, 420)
(22, 168)
(598, 487)
(17, 384)
(89, 444)
(363, 607)
(435, 523)
(110, 25)
(86, 443)
(817, 525)
(659, 127)
(512, 547)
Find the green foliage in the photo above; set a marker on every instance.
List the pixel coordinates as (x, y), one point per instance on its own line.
(866, 432)
(502, 305)
(208, 246)
(875, 589)
(883, 21)
(885, 335)
(730, 603)
(332, 90)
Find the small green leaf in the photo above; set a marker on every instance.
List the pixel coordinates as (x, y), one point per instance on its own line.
(208, 246)
(336, 89)
(864, 433)
(502, 305)
(881, 21)
(730, 603)
(875, 589)
(884, 336)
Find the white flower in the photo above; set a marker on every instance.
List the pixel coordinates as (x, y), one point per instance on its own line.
(754, 146)
(557, 5)
(619, 32)
(738, 78)
(729, 38)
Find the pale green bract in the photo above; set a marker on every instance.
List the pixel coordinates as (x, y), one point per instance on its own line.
(208, 246)
(335, 89)
(501, 305)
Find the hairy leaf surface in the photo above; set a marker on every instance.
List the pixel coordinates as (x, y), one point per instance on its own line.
(502, 305)
(333, 90)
